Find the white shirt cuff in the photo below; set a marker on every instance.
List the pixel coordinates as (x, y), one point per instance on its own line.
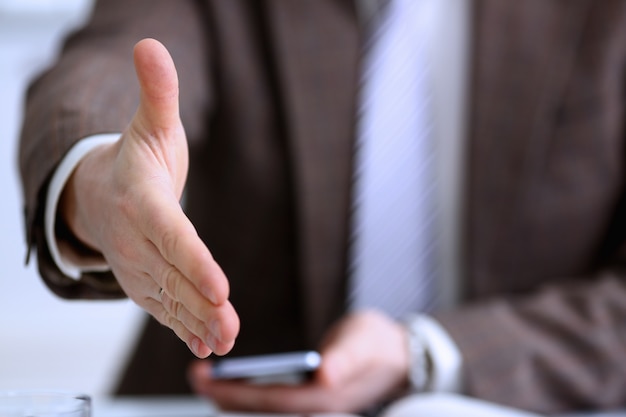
(445, 356)
(66, 260)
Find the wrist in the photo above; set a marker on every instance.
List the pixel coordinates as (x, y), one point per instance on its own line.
(74, 204)
(66, 226)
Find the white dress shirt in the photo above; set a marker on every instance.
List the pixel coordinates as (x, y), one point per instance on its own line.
(450, 62)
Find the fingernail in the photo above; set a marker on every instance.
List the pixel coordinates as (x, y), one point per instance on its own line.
(215, 329)
(211, 342)
(207, 291)
(195, 345)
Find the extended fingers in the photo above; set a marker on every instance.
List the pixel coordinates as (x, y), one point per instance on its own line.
(210, 332)
(216, 325)
(176, 239)
(144, 290)
(195, 344)
(196, 287)
(180, 306)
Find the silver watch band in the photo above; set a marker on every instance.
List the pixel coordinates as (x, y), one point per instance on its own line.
(420, 364)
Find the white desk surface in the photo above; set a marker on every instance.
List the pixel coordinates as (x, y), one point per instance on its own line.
(152, 407)
(187, 406)
(168, 407)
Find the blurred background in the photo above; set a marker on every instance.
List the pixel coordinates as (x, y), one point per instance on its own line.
(45, 342)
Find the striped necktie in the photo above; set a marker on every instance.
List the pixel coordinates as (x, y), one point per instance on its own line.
(392, 265)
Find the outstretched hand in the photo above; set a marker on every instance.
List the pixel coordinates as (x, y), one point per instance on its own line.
(123, 201)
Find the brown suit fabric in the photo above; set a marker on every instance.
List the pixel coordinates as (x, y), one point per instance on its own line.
(268, 98)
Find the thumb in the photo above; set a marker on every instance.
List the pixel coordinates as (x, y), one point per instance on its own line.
(158, 80)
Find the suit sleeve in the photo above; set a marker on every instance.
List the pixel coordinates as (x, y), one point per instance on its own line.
(562, 348)
(92, 89)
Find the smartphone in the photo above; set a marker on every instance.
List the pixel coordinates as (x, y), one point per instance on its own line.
(288, 368)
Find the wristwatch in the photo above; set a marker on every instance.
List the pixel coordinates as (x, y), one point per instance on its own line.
(420, 363)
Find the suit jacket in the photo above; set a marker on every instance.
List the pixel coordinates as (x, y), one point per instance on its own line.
(268, 98)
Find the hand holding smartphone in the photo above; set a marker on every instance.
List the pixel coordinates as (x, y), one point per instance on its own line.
(286, 368)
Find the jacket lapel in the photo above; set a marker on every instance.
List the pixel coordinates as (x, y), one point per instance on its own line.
(317, 58)
(523, 53)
